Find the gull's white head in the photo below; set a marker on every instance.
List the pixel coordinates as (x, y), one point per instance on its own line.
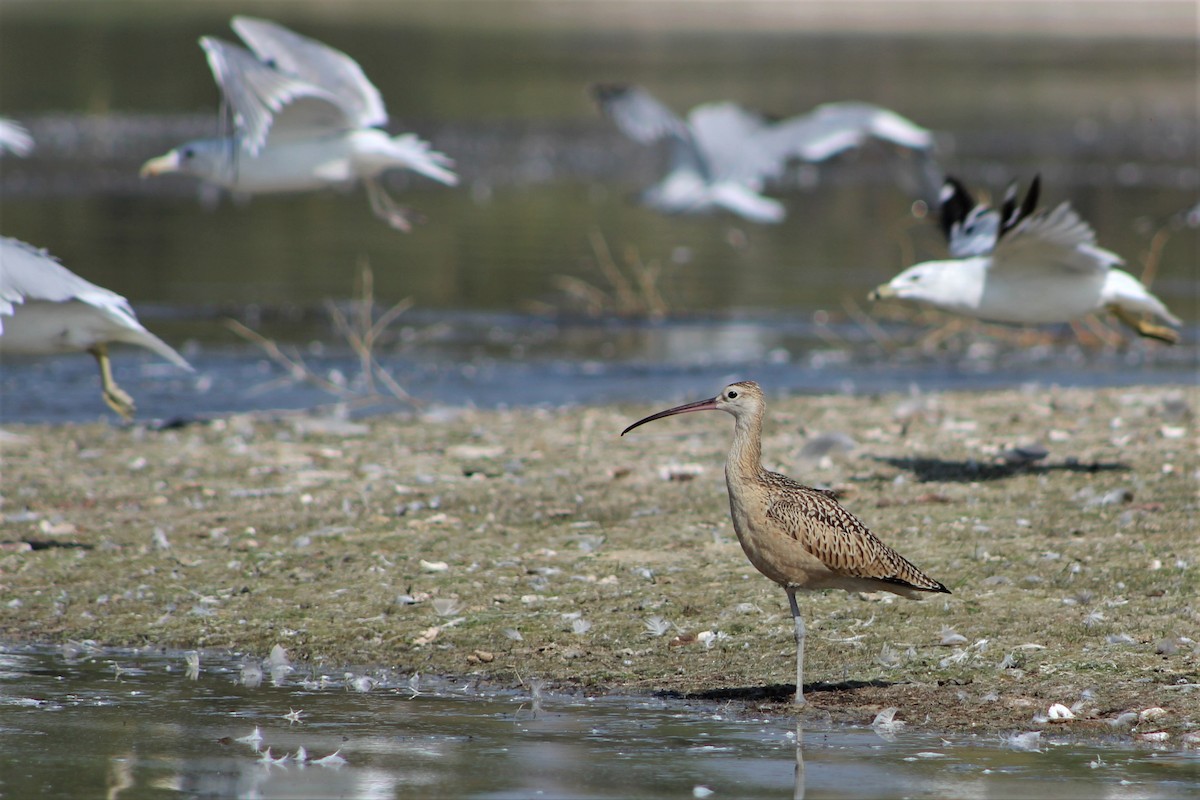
(209, 159)
(950, 285)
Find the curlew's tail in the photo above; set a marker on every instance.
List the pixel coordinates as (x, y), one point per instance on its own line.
(913, 591)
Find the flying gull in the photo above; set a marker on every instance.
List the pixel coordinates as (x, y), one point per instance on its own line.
(722, 155)
(304, 117)
(1022, 266)
(45, 309)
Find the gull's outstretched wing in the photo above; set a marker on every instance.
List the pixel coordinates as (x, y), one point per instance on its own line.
(637, 114)
(955, 204)
(1057, 239)
(735, 143)
(265, 101)
(833, 127)
(317, 64)
(14, 138)
(30, 274)
(1010, 213)
(747, 146)
(970, 228)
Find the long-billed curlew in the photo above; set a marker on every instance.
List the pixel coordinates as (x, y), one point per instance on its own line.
(1023, 267)
(45, 308)
(797, 536)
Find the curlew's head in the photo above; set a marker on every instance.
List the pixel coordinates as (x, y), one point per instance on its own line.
(741, 399)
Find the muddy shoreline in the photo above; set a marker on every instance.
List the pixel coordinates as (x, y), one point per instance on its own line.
(502, 546)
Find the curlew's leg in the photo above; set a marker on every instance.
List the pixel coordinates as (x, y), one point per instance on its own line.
(1145, 327)
(387, 209)
(116, 397)
(798, 621)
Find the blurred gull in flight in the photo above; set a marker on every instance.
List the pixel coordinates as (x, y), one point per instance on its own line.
(722, 154)
(45, 308)
(304, 117)
(14, 138)
(1017, 266)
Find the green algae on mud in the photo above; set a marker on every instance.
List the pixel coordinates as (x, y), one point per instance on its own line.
(537, 543)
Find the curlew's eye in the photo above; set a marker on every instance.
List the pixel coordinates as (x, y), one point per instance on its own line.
(731, 394)
(188, 152)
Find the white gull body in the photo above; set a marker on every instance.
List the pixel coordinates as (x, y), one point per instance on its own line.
(722, 155)
(305, 117)
(46, 309)
(1038, 268)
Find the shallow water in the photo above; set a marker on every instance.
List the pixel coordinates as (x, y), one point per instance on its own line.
(76, 721)
(497, 361)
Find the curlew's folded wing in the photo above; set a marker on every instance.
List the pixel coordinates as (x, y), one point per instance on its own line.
(838, 539)
(317, 64)
(265, 101)
(1057, 239)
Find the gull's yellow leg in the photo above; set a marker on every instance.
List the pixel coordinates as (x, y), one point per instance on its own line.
(116, 397)
(1145, 327)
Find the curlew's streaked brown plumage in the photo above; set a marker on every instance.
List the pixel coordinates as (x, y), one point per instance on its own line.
(797, 536)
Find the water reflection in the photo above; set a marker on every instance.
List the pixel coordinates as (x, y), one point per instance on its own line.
(134, 722)
(798, 790)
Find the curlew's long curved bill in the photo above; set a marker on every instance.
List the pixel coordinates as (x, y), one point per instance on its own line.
(700, 405)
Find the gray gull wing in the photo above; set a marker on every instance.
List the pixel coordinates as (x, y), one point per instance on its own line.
(833, 127)
(265, 101)
(637, 113)
(746, 146)
(1057, 239)
(735, 143)
(30, 274)
(317, 64)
